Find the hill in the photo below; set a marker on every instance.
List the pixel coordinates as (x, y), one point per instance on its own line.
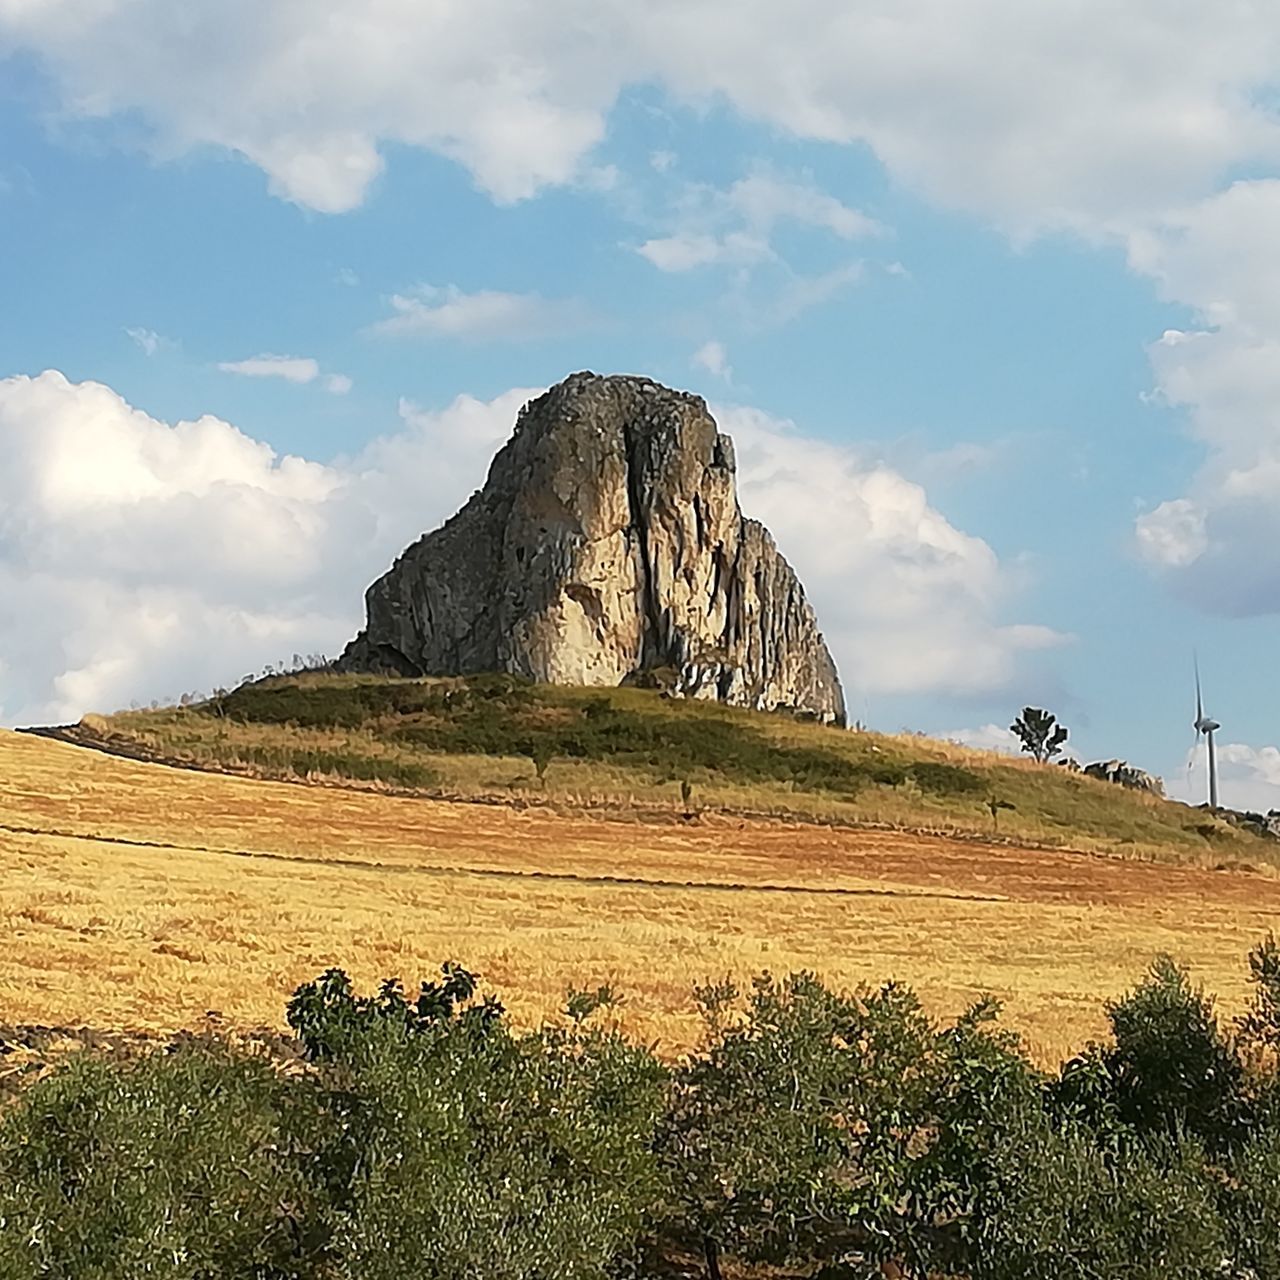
(500, 738)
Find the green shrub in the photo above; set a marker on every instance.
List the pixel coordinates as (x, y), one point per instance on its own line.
(180, 1165)
(946, 779)
(474, 1151)
(1260, 1025)
(423, 1137)
(839, 1129)
(1168, 1071)
(303, 761)
(1057, 1207)
(1251, 1203)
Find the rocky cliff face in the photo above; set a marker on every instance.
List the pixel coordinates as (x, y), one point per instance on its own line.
(606, 542)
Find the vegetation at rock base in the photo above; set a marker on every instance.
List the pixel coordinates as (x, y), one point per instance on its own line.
(815, 1131)
(501, 737)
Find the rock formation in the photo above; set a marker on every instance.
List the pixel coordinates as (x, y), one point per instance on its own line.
(1125, 775)
(607, 543)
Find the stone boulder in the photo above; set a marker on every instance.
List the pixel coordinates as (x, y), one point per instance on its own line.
(606, 546)
(1125, 775)
(1266, 825)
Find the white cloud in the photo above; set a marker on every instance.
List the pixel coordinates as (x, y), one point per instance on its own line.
(714, 358)
(1173, 535)
(290, 368)
(310, 92)
(450, 313)
(687, 250)
(734, 227)
(763, 200)
(148, 341)
(139, 559)
(1248, 777)
(908, 602)
(964, 102)
(296, 369)
(1219, 543)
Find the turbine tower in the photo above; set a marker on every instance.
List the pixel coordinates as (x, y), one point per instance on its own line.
(1208, 726)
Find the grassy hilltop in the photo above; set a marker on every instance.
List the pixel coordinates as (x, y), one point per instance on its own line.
(496, 737)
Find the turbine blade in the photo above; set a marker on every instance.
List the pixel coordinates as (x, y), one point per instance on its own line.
(1199, 703)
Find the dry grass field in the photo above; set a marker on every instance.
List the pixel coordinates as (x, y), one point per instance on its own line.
(133, 896)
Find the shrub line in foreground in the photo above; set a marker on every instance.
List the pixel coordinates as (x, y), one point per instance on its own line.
(816, 1132)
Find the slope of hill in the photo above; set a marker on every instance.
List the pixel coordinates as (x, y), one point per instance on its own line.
(134, 896)
(499, 738)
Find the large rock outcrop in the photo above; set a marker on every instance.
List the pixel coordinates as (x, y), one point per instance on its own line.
(606, 542)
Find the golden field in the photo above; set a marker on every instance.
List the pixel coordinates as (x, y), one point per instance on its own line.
(135, 896)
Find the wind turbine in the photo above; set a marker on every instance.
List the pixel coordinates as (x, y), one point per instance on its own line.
(1208, 726)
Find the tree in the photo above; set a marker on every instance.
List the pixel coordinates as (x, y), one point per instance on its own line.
(472, 1149)
(848, 1131)
(1260, 1026)
(187, 1162)
(1169, 1072)
(1040, 733)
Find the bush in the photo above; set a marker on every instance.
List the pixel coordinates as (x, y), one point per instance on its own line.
(474, 1151)
(190, 1163)
(1251, 1203)
(304, 761)
(1057, 1208)
(1169, 1070)
(846, 1130)
(1260, 1026)
(946, 779)
(824, 1131)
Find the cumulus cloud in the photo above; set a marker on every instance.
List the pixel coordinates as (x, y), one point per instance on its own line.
(450, 313)
(909, 603)
(138, 558)
(141, 559)
(964, 102)
(1219, 542)
(297, 369)
(1173, 535)
(1248, 777)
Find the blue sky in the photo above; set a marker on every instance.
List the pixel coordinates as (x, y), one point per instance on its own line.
(998, 355)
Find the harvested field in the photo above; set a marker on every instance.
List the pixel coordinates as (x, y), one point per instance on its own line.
(138, 897)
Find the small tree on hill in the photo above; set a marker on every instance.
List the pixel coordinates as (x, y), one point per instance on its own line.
(1040, 733)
